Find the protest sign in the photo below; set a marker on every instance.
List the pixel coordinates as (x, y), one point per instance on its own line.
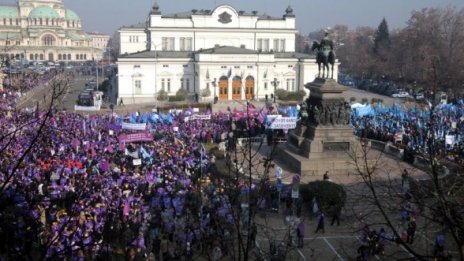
(276, 122)
(143, 136)
(200, 117)
(134, 126)
(137, 162)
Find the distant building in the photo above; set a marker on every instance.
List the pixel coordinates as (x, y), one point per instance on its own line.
(221, 53)
(44, 30)
(99, 41)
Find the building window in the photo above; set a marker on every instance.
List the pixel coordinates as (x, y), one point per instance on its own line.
(185, 65)
(250, 66)
(165, 66)
(168, 84)
(31, 57)
(187, 84)
(290, 66)
(137, 66)
(185, 44)
(276, 45)
(290, 84)
(163, 83)
(48, 40)
(85, 56)
(59, 56)
(282, 45)
(237, 67)
(69, 56)
(168, 43)
(265, 85)
(223, 67)
(266, 45)
(77, 57)
(138, 86)
(41, 56)
(182, 83)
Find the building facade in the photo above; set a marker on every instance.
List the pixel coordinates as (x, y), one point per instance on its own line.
(44, 30)
(221, 53)
(99, 41)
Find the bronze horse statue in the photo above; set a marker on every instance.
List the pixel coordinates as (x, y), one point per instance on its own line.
(325, 56)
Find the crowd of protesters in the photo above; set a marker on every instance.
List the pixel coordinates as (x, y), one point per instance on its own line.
(72, 189)
(415, 129)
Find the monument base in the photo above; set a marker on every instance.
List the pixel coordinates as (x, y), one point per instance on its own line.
(314, 150)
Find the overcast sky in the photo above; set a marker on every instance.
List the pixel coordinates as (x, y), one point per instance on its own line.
(107, 16)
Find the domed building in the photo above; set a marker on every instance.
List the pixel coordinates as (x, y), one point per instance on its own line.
(44, 30)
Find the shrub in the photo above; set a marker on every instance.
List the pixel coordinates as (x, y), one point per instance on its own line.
(162, 95)
(330, 197)
(206, 92)
(175, 98)
(281, 94)
(182, 94)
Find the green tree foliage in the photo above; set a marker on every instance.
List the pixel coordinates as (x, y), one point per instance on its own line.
(182, 94)
(162, 95)
(382, 37)
(330, 196)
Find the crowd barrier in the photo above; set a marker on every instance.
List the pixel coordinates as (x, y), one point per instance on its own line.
(254, 140)
(391, 149)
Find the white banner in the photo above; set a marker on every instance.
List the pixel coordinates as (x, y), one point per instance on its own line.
(137, 162)
(134, 126)
(276, 122)
(450, 139)
(86, 108)
(203, 117)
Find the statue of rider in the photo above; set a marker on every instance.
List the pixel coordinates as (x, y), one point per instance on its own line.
(326, 43)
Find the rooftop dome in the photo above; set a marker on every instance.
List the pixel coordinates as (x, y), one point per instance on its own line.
(9, 12)
(43, 12)
(70, 15)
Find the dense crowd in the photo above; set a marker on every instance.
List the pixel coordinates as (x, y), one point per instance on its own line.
(415, 128)
(80, 192)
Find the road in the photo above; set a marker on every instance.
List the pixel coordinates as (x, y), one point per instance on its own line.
(42, 95)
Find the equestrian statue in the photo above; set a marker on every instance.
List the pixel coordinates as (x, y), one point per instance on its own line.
(325, 55)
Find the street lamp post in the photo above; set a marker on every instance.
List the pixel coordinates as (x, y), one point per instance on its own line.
(275, 82)
(214, 87)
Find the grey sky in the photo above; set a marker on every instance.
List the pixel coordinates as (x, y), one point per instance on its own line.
(106, 16)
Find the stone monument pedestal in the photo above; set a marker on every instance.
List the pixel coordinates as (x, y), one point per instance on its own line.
(325, 141)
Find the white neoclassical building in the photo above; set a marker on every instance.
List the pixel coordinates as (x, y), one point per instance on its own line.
(44, 30)
(231, 53)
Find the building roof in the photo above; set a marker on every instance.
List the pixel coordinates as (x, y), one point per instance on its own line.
(159, 54)
(228, 50)
(9, 12)
(43, 12)
(71, 15)
(188, 14)
(289, 55)
(138, 25)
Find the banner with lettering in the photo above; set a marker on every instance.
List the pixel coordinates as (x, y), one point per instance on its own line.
(134, 126)
(200, 117)
(143, 136)
(277, 122)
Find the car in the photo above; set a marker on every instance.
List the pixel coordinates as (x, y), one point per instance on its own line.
(400, 94)
(419, 96)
